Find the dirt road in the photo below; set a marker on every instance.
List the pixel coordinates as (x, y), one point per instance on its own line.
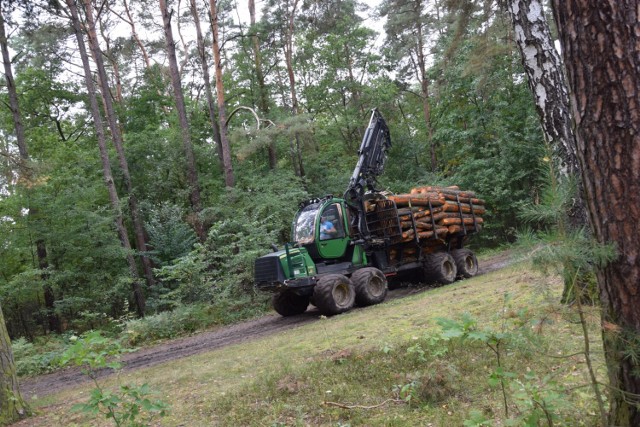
(175, 349)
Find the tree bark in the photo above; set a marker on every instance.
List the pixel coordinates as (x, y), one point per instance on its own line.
(601, 49)
(192, 172)
(207, 82)
(546, 80)
(12, 406)
(26, 173)
(135, 36)
(547, 83)
(424, 83)
(13, 94)
(108, 53)
(229, 179)
(295, 109)
(118, 143)
(263, 102)
(138, 295)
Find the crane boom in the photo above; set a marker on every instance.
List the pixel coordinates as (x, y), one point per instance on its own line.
(372, 157)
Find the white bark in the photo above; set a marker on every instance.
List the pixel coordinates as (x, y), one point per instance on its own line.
(546, 79)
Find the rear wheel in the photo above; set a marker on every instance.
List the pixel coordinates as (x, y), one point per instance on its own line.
(440, 268)
(288, 303)
(371, 286)
(466, 262)
(334, 294)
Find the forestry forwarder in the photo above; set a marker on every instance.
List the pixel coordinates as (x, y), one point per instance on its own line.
(344, 249)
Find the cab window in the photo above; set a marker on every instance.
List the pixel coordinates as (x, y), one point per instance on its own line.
(331, 223)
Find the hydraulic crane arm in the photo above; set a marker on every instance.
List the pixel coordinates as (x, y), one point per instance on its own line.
(372, 157)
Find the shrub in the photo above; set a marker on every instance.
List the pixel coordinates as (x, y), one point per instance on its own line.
(39, 358)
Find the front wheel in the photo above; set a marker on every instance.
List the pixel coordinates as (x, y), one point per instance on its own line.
(466, 262)
(371, 286)
(334, 294)
(440, 268)
(288, 303)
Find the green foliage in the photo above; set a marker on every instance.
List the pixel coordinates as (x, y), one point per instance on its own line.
(539, 399)
(536, 399)
(186, 281)
(91, 352)
(559, 244)
(488, 134)
(169, 236)
(171, 324)
(129, 405)
(36, 359)
(477, 419)
(485, 131)
(124, 407)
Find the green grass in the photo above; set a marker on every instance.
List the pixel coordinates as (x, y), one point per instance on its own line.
(357, 368)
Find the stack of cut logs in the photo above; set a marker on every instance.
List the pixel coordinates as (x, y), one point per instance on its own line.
(438, 211)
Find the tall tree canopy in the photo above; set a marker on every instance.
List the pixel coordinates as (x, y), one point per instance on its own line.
(135, 122)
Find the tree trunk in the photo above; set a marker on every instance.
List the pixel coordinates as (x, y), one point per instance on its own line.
(134, 34)
(114, 64)
(25, 172)
(295, 109)
(192, 173)
(13, 95)
(12, 405)
(601, 49)
(186, 53)
(138, 295)
(229, 179)
(547, 82)
(263, 103)
(207, 82)
(424, 83)
(49, 296)
(118, 143)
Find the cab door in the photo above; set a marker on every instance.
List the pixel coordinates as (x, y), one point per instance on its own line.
(332, 244)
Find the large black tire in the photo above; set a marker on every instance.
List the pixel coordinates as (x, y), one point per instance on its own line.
(466, 262)
(440, 268)
(288, 303)
(334, 294)
(371, 286)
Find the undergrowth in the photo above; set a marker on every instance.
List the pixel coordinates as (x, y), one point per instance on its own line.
(522, 367)
(43, 354)
(186, 320)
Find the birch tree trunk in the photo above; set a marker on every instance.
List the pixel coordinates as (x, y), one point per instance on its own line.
(118, 143)
(601, 49)
(138, 295)
(192, 173)
(547, 83)
(229, 179)
(546, 80)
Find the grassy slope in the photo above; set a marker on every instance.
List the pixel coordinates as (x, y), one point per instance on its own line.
(364, 357)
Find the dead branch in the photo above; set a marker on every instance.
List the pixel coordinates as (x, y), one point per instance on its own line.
(255, 115)
(343, 406)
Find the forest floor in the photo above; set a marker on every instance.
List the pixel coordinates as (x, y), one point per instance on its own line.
(43, 385)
